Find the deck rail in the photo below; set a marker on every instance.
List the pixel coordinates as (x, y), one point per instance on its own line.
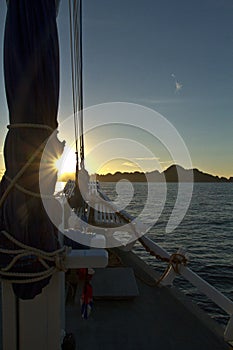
(204, 287)
(211, 292)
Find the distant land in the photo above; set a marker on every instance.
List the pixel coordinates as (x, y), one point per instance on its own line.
(170, 175)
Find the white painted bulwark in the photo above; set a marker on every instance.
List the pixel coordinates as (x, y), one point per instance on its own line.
(39, 322)
(8, 317)
(217, 297)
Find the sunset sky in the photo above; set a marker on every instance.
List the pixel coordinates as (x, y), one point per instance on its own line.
(174, 57)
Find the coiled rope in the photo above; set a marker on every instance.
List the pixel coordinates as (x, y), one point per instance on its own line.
(13, 181)
(174, 261)
(28, 192)
(56, 257)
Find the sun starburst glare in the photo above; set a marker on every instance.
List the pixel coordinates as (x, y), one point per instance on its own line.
(67, 162)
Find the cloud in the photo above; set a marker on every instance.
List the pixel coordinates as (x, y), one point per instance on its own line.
(166, 162)
(128, 164)
(178, 85)
(146, 158)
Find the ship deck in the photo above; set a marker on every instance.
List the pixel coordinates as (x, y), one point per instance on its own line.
(159, 317)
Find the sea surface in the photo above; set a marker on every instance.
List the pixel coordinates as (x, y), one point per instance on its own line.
(206, 232)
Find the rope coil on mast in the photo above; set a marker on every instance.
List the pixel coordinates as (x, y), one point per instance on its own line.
(13, 182)
(56, 257)
(51, 261)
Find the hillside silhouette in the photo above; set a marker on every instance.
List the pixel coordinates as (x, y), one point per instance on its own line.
(174, 173)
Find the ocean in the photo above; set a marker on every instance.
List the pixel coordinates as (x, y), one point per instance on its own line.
(206, 233)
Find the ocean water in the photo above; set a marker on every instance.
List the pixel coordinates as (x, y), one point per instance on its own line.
(206, 232)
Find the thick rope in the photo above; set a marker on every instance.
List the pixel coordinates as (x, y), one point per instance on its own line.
(45, 275)
(28, 192)
(30, 125)
(12, 181)
(57, 256)
(35, 251)
(174, 261)
(21, 172)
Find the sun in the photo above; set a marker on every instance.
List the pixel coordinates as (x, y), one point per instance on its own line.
(67, 162)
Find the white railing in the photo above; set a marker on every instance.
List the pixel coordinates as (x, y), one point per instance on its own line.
(217, 297)
(93, 187)
(211, 292)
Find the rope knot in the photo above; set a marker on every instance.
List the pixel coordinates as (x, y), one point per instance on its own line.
(55, 258)
(60, 260)
(176, 260)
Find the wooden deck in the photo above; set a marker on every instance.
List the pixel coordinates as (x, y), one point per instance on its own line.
(158, 318)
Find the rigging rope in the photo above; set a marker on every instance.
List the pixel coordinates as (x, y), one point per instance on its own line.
(80, 75)
(75, 16)
(74, 89)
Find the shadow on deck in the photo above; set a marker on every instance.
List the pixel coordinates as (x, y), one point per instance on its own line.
(157, 318)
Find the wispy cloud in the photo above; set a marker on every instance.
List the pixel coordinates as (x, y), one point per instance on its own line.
(178, 85)
(167, 162)
(146, 158)
(128, 164)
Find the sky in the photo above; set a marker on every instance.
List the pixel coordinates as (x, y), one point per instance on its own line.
(172, 56)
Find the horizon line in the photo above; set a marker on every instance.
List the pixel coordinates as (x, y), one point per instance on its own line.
(147, 172)
(135, 172)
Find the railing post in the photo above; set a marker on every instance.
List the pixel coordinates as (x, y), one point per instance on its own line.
(171, 274)
(228, 334)
(169, 277)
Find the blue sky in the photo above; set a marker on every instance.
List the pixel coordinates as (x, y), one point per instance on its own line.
(172, 56)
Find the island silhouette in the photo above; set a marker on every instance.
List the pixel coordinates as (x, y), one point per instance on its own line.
(174, 173)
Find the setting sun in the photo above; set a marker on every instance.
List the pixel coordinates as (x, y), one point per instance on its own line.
(67, 163)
